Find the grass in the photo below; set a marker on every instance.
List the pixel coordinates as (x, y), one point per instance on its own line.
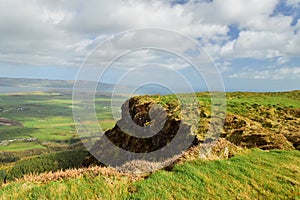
(240, 102)
(21, 146)
(11, 132)
(256, 174)
(79, 188)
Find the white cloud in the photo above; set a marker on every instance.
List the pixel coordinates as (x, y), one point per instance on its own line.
(223, 66)
(284, 73)
(262, 34)
(96, 17)
(259, 45)
(63, 32)
(293, 2)
(233, 11)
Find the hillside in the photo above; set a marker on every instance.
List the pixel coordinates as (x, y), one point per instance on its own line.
(266, 123)
(48, 85)
(254, 175)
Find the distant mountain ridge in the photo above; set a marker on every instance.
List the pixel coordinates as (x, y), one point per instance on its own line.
(28, 82)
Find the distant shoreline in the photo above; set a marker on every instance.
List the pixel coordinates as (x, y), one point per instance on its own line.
(17, 85)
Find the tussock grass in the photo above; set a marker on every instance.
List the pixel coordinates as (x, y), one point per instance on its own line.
(255, 174)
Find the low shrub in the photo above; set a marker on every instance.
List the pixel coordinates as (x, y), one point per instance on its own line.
(9, 159)
(2, 176)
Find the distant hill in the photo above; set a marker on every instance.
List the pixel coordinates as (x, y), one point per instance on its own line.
(28, 82)
(51, 84)
(68, 85)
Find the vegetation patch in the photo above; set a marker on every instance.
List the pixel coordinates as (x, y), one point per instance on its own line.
(46, 163)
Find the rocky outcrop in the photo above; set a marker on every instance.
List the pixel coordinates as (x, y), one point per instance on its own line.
(145, 127)
(247, 133)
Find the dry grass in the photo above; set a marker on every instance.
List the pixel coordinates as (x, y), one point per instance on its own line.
(143, 167)
(93, 171)
(219, 149)
(138, 169)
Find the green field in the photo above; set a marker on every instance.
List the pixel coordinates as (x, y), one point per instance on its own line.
(20, 146)
(46, 116)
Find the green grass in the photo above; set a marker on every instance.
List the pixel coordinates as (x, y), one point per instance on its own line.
(105, 125)
(11, 132)
(255, 175)
(241, 102)
(81, 188)
(21, 146)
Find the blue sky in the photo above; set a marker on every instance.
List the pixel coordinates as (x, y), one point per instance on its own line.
(254, 44)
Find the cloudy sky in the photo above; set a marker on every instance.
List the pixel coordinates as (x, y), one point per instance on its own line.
(255, 44)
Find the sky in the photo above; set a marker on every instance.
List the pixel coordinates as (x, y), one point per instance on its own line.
(254, 44)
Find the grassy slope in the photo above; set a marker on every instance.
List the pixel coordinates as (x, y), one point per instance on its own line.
(260, 174)
(254, 175)
(239, 102)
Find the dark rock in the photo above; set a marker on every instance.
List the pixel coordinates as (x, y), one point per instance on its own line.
(145, 127)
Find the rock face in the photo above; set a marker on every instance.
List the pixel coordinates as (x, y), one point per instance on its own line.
(144, 128)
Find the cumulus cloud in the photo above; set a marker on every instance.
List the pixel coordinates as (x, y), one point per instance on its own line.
(239, 12)
(41, 30)
(293, 2)
(261, 33)
(62, 33)
(290, 73)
